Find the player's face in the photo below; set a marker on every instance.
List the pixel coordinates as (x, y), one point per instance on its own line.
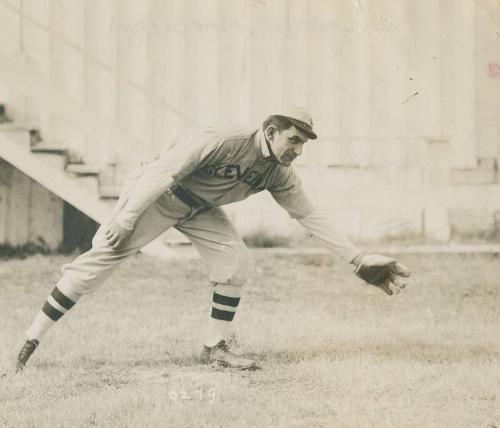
(288, 144)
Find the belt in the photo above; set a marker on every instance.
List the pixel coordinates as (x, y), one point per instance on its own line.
(185, 197)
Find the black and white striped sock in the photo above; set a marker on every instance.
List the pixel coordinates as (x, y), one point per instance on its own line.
(56, 305)
(224, 307)
(225, 301)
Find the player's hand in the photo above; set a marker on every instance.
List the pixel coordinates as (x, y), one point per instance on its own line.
(116, 235)
(383, 272)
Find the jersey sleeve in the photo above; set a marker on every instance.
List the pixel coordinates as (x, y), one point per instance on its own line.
(290, 194)
(178, 160)
(288, 191)
(322, 229)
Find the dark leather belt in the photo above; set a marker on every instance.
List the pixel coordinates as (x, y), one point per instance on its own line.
(185, 197)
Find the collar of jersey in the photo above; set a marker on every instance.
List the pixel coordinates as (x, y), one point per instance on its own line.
(262, 143)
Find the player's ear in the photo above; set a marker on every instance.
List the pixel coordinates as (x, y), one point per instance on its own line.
(270, 132)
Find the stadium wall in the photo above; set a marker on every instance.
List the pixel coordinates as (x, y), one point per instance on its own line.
(404, 96)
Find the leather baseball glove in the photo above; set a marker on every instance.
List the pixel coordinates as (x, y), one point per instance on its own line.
(382, 272)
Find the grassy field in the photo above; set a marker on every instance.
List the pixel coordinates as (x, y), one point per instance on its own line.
(334, 353)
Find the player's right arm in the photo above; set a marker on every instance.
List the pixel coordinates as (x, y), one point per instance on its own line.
(175, 162)
(116, 235)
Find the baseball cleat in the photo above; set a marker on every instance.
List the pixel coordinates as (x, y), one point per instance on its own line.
(28, 348)
(221, 355)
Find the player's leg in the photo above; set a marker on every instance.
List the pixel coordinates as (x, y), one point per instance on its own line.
(227, 257)
(89, 270)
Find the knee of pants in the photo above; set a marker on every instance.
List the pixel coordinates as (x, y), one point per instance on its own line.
(81, 279)
(232, 267)
(90, 269)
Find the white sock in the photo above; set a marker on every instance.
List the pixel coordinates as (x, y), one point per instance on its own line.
(218, 330)
(40, 325)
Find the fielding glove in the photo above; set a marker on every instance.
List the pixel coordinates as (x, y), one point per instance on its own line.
(382, 272)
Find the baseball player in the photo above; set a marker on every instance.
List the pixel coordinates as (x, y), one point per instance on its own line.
(184, 187)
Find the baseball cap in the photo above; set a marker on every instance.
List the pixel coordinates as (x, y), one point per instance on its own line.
(300, 117)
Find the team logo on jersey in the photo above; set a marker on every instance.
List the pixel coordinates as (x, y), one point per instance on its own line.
(251, 177)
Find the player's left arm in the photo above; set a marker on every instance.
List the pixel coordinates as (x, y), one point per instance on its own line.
(382, 272)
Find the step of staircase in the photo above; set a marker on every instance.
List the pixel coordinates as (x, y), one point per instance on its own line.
(9, 126)
(48, 148)
(83, 169)
(109, 192)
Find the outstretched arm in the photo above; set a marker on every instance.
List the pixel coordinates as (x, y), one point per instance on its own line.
(380, 271)
(320, 228)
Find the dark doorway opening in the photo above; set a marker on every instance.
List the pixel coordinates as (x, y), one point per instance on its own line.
(78, 230)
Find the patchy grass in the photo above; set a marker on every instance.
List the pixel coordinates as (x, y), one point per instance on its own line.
(333, 352)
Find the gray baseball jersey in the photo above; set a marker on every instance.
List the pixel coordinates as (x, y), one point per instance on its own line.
(224, 165)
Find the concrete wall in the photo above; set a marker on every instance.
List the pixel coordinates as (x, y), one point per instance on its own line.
(404, 95)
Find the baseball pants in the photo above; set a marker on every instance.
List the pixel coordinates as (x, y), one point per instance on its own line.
(211, 232)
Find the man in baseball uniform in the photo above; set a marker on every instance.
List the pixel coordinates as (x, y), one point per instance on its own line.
(184, 187)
